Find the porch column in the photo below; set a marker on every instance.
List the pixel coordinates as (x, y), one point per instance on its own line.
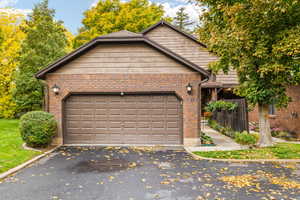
(214, 94)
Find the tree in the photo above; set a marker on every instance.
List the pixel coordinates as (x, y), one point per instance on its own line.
(182, 19)
(260, 40)
(11, 37)
(114, 15)
(45, 42)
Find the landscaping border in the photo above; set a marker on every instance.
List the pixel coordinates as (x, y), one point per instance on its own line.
(243, 160)
(22, 166)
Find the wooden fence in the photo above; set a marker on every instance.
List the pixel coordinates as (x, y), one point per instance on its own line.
(236, 120)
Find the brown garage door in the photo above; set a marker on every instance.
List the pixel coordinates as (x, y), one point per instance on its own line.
(129, 119)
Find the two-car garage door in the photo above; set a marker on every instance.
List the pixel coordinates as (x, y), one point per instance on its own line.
(129, 119)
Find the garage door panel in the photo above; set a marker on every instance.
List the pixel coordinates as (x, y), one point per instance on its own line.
(82, 105)
(128, 111)
(158, 125)
(86, 124)
(86, 118)
(156, 106)
(129, 124)
(172, 125)
(142, 124)
(131, 119)
(81, 137)
(101, 111)
(73, 124)
(141, 106)
(172, 112)
(159, 112)
(114, 117)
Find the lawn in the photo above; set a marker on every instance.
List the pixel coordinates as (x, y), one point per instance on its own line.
(279, 151)
(11, 151)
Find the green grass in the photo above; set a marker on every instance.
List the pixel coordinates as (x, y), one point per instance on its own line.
(11, 152)
(279, 151)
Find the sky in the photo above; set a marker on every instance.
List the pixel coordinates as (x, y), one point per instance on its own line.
(71, 11)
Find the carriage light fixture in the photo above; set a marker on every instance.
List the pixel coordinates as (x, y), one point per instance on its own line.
(56, 89)
(189, 89)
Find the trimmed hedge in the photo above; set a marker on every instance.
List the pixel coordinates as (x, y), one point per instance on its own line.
(38, 128)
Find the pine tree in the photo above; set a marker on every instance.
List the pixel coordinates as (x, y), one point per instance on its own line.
(182, 19)
(45, 42)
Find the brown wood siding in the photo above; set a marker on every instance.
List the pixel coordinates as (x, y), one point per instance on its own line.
(123, 58)
(129, 119)
(188, 49)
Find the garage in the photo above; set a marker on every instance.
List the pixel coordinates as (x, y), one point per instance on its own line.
(124, 89)
(142, 119)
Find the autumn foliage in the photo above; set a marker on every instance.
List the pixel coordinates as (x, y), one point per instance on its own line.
(114, 15)
(10, 41)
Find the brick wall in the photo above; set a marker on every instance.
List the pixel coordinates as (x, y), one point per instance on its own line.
(286, 117)
(130, 83)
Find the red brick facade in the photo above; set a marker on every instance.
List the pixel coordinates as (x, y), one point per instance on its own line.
(286, 118)
(102, 83)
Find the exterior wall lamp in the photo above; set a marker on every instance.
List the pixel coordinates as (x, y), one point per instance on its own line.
(56, 89)
(189, 89)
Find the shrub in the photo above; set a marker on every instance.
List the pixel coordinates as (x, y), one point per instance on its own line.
(223, 130)
(228, 132)
(245, 138)
(214, 125)
(205, 139)
(38, 128)
(220, 105)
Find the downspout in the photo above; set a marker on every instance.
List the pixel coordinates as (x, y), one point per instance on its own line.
(200, 101)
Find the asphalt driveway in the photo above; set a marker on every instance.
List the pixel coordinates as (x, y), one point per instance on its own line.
(83, 173)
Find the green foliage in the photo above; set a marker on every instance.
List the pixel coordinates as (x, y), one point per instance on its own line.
(260, 40)
(220, 105)
(223, 130)
(182, 19)
(45, 42)
(205, 139)
(38, 128)
(214, 125)
(114, 15)
(245, 138)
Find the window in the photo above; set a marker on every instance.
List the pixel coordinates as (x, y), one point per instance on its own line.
(272, 110)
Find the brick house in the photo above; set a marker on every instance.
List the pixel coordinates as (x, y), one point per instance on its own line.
(286, 118)
(133, 89)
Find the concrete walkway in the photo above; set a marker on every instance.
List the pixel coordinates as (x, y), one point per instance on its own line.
(222, 142)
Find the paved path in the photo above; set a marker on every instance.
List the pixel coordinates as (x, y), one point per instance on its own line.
(142, 174)
(222, 142)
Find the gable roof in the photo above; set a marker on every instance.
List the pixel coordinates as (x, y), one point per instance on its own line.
(165, 23)
(119, 37)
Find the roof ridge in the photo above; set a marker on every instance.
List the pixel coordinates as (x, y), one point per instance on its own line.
(122, 33)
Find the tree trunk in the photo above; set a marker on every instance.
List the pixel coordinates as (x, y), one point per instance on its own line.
(264, 126)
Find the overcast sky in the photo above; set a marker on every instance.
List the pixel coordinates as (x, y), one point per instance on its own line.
(71, 11)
